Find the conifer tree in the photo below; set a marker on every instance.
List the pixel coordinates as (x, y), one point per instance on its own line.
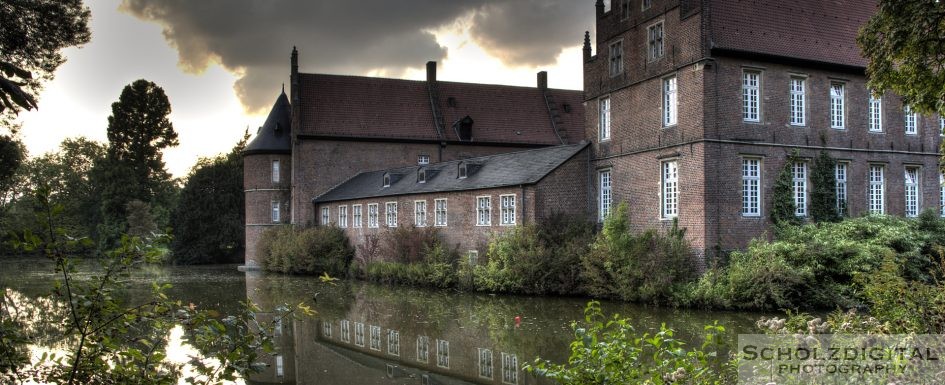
(823, 177)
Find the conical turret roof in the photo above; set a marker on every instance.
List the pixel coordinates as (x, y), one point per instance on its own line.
(275, 136)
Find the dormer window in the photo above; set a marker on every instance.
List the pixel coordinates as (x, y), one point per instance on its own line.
(422, 175)
(461, 172)
(386, 179)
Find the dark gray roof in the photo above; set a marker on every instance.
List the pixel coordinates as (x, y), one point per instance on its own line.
(509, 169)
(275, 136)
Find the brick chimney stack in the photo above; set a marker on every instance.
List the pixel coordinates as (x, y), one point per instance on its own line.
(431, 71)
(542, 80)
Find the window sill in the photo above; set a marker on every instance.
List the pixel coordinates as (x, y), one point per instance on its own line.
(486, 225)
(507, 224)
(758, 122)
(440, 225)
(876, 132)
(666, 127)
(798, 125)
(666, 219)
(752, 216)
(838, 128)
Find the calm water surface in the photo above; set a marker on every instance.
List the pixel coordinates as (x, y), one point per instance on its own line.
(372, 334)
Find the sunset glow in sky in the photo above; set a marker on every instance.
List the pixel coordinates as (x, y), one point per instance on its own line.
(222, 62)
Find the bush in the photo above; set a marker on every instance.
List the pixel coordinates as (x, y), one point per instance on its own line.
(407, 244)
(414, 256)
(649, 267)
(315, 250)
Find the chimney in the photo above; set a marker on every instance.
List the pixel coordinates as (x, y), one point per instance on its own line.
(587, 46)
(542, 80)
(431, 71)
(599, 5)
(294, 77)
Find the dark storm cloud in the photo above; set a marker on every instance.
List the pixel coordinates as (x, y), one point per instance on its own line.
(254, 37)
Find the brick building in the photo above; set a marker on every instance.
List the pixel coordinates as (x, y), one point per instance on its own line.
(693, 106)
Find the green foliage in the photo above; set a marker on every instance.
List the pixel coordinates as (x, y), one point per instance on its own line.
(12, 155)
(406, 244)
(414, 256)
(903, 43)
(140, 221)
(208, 221)
(612, 351)
(782, 200)
(823, 197)
(438, 275)
(312, 251)
(646, 267)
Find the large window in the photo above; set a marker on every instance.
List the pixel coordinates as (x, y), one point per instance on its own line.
(372, 215)
(877, 190)
(276, 215)
(507, 209)
(443, 353)
(391, 212)
(345, 331)
(509, 368)
(604, 123)
(799, 174)
(912, 191)
(837, 115)
(356, 216)
(275, 171)
(841, 176)
(393, 342)
(798, 101)
(751, 187)
(616, 58)
(605, 197)
(485, 362)
(655, 41)
(423, 349)
(439, 212)
(342, 216)
(420, 213)
(669, 101)
(359, 333)
(751, 96)
(670, 190)
(876, 114)
(912, 120)
(624, 9)
(483, 211)
(375, 338)
(326, 216)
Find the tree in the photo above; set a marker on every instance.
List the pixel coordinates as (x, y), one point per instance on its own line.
(32, 34)
(905, 45)
(823, 200)
(208, 221)
(782, 205)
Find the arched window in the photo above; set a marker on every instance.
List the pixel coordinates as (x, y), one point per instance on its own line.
(386, 179)
(461, 172)
(422, 175)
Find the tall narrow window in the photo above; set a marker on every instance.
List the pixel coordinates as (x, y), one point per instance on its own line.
(483, 211)
(751, 96)
(799, 173)
(372, 215)
(507, 209)
(616, 58)
(841, 176)
(326, 217)
(751, 187)
(275, 171)
(798, 101)
(393, 342)
(342, 216)
(276, 217)
(645, 4)
(461, 170)
(604, 198)
(485, 360)
(439, 213)
(912, 191)
(941, 195)
(624, 9)
(670, 193)
(655, 41)
(604, 122)
(877, 190)
(359, 334)
(837, 114)
(356, 216)
(912, 119)
(669, 101)
(509, 368)
(375, 338)
(391, 212)
(345, 331)
(876, 114)
(941, 126)
(420, 213)
(326, 329)
(423, 349)
(280, 366)
(443, 353)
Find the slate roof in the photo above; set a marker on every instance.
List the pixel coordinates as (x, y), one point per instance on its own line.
(508, 169)
(817, 30)
(366, 107)
(275, 135)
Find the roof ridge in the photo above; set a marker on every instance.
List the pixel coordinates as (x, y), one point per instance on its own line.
(438, 81)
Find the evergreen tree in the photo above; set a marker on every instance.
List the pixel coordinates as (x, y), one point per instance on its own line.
(782, 205)
(823, 177)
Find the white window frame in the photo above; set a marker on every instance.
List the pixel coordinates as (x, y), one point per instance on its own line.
(751, 186)
(343, 216)
(326, 216)
(356, 216)
(393, 343)
(941, 195)
(624, 10)
(507, 210)
(616, 58)
(375, 338)
(440, 217)
(670, 101)
(876, 114)
(485, 360)
(912, 191)
(472, 257)
(420, 213)
(483, 211)
(798, 86)
(654, 41)
(646, 4)
(669, 189)
(509, 368)
(280, 365)
(422, 175)
(443, 354)
(359, 334)
(911, 121)
(276, 177)
(462, 171)
(603, 124)
(876, 194)
(390, 214)
(373, 215)
(345, 331)
(841, 174)
(838, 91)
(423, 349)
(751, 95)
(423, 160)
(605, 194)
(326, 329)
(799, 177)
(941, 126)
(386, 180)
(276, 213)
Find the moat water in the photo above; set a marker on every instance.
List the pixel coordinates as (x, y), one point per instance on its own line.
(374, 334)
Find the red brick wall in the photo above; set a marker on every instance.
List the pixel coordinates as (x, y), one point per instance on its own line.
(260, 192)
(564, 190)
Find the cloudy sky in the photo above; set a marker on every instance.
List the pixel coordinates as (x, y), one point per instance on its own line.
(223, 62)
